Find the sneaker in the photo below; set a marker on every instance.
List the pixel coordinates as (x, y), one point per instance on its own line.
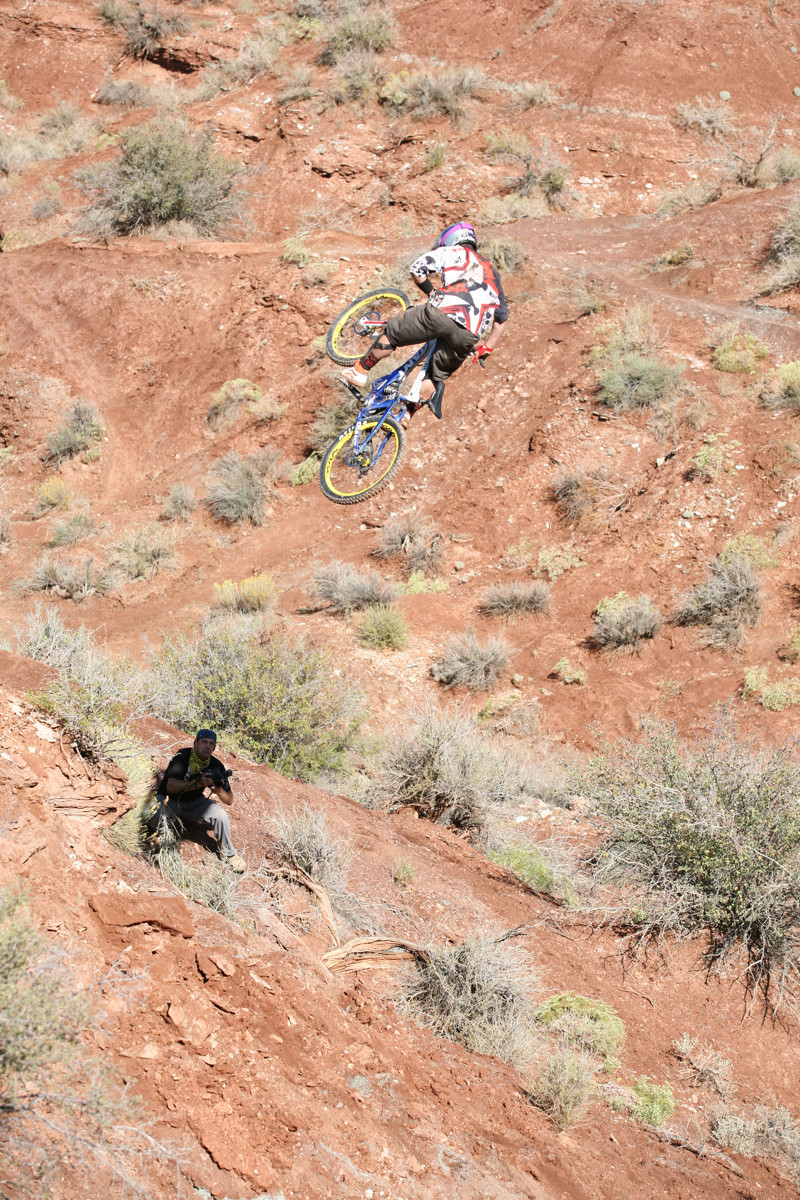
(236, 863)
(355, 375)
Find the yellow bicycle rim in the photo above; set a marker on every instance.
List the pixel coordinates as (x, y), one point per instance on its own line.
(389, 456)
(348, 314)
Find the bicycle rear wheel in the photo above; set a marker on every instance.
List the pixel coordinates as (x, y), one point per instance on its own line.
(346, 478)
(354, 330)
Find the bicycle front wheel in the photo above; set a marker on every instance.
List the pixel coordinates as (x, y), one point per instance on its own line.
(347, 477)
(354, 330)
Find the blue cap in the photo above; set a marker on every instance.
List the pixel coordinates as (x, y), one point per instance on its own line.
(205, 733)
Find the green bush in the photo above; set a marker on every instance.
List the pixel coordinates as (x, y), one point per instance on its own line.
(51, 496)
(383, 628)
(476, 994)
(708, 834)
(655, 1102)
(467, 663)
(591, 1025)
(164, 174)
(727, 604)
(331, 420)
(277, 699)
(678, 256)
(761, 553)
(534, 867)
(564, 1087)
(634, 381)
(555, 561)
(768, 1132)
(567, 673)
(79, 433)
(774, 695)
(623, 622)
(738, 353)
(447, 772)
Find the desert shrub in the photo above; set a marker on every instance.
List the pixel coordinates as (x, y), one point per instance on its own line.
(785, 241)
(71, 580)
(6, 537)
(624, 622)
(212, 884)
(164, 174)
(317, 274)
(296, 252)
(476, 994)
(257, 56)
(783, 276)
(541, 170)
(555, 561)
(418, 585)
(708, 835)
(437, 92)
(434, 158)
(331, 420)
(713, 457)
(355, 78)
(511, 715)
(126, 94)
(774, 695)
(447, 772)
(784, 390)
(72, 531)
(415, 538)
(586, 497)
(248, 596)
(738, 352)
(534, 94)
(54, 495)
(591, 1025)
(504, 251)
(359, 27)
(348, 590)
(148, 29)
(761, 553)
(654, 1103)
(510, 601)
(705, 1066)
(179, 504)
(727, 604)
(467, 663)
(706, 116)
(634, 381)
(237, 489)
(229, 401)
(502, 210)
(564, 1087)
(564, 671)
(678, 256)
(784, 165)
(79, 432)
(403, 873)
(45, 207)
(304, 839)
(771, 1132)
(8, 100)
(535, 868)
(305, 471)
(277, 699)
(383, 628)
(633, 333)
(143, 551)
(45, 638)
(266, 410)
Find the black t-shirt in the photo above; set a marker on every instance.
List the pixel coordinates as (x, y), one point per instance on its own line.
(178, 768)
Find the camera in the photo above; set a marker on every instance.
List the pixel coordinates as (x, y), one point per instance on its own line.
(220, 777)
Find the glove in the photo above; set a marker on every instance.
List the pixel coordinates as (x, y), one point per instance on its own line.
(481, 353)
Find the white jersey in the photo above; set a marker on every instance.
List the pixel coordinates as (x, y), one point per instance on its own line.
(471, 292)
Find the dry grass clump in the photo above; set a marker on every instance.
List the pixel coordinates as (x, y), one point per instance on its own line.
(585, 497)
(504, 251)
(6, 536)
(348, 590)
(436, 92)
(727, 604)
(78, 433)
(383, 628)
(213, 885)
(51, 496)
(229, 401)
(69, 533)
(768, 1132)
(447, 772)
(126, 94)
(415, 538)
(257, 56)
(143, 552)
(179, 504)
(555, 561)
(477, 994)
(165, 175)
(511, 601)
(148, 29)
(59, 133)
(632, 381)
(251, 595)
(564, 1087)
(467, 663)
(708, 834)
(237, 488)
(785, 254)
(542, 171)
(71, 580)
(358, 27)
(678, 256)
(706, 116)
(623, 622)
(303, 839)
(331, 420)
(783, 391)
(774, 695)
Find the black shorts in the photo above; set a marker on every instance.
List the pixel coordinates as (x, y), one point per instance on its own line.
(424, 323)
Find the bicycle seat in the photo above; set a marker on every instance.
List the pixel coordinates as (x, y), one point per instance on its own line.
(435, 402)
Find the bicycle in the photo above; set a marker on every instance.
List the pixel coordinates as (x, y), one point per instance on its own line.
(365, 457)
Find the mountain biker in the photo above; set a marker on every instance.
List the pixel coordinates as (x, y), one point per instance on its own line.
(457, 315)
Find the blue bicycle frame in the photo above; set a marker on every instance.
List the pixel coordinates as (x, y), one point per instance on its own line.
(383, 400)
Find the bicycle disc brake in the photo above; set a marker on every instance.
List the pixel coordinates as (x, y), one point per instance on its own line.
(366, 324)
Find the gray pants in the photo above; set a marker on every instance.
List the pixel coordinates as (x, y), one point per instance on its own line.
(205, 813)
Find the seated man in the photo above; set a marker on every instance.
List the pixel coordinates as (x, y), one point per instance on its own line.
(182, 794)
